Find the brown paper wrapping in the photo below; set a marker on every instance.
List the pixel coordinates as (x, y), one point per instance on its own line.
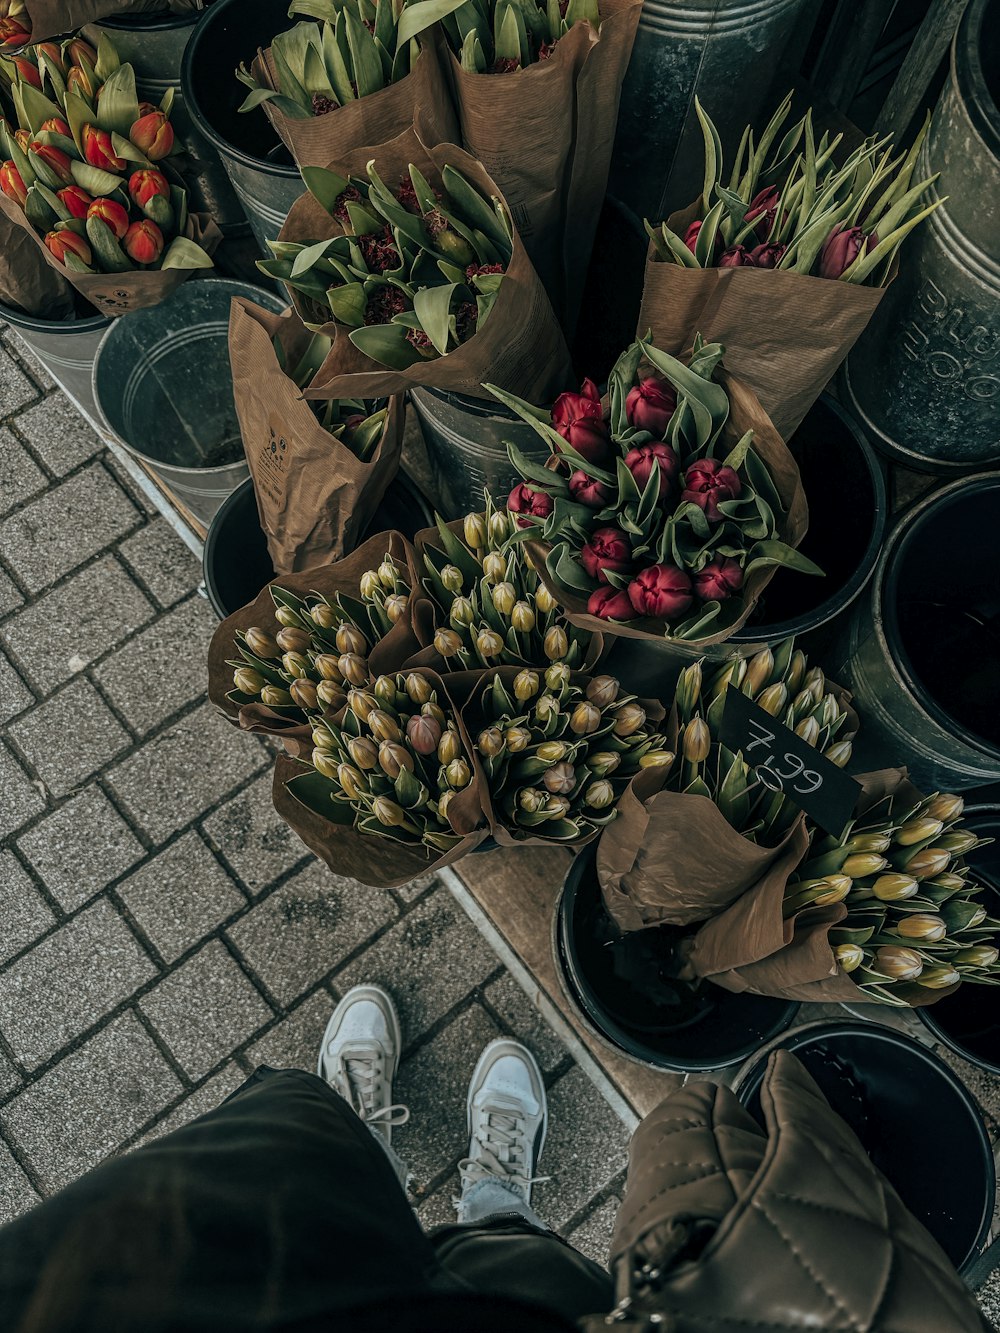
(752, 947)
(745, 413)
(375, 119)
(520, 347)
(545, 134)
(117, 293)
(52, 18)
(341, 576)
(383, 861)
(785, 334)
(27, 283)
(314, 496)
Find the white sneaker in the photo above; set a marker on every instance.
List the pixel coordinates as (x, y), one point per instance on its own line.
(508, 1118)
(360, 1055)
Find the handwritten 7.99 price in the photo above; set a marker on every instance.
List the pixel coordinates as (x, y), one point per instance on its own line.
(799, 778)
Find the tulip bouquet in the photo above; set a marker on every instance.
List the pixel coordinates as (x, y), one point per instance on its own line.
(663, 515)
(792, 207)
(558, 750)
(488, 605)
(86, 171)
(499, 37)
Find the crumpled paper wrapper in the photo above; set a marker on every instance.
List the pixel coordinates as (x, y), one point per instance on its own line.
(27, 282)
(52, 18)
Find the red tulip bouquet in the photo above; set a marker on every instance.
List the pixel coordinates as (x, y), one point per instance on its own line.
(87, 173)
(826, 235)
(665, 514)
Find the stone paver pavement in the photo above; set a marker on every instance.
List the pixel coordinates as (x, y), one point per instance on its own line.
(161, 931)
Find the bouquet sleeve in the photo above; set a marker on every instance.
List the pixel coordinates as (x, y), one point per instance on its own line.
(52, 18)
(27, 282)
(315, 496)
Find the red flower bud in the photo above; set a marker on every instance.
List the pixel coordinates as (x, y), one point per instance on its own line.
(661, 592)
(82, 82)
(79, 52)
(51, 49)
(764, 206)
(23, 138)
(15, 32)
(99, 150)
(720, 578)
(708, 483)
(735, 257)
(586, 491)
(143, 242)
(641, 460)
(608, 549)
(147, 184)
(611, 604)
(525, 501)
(58, 162)
(579, 419)
(27, 71)
(113, 214)
(56, 125)
(153, 135)
(76, 199)
(766, 256)
(650, 405)
(12, 184)
(840, 249)
(691, 236)
(146, 108)
(60, 242)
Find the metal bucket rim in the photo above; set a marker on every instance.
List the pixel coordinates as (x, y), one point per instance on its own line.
(885, 605)
(57, 326)
(806, 1034)
(970, 76)
(475, 407)
(203, 123)
(150, 22)
(838, 601)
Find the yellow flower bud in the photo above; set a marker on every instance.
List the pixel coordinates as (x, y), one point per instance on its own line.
(546, 707)
(498, 529)
(603, 762)
(759, 670)
(949, 880)
(504, 598)
(352, 784)
(921, 926)
(444, 800)
(284, 615)
(322, 740)
(555, 645)
(697, 742)
(388, 574)
(808, 730)
(449, 747)
(474, 528)
(370, 585)
(898, 962)
(328, 667)
(275, 697)
(434, 710)
(838, 753)
(324, 616)
(261, 644)
(293, 640)
(363, 703)
(657, 759)
(556, 806)
(531, 800)
(451, 577)
(323, 762)
(945, 807)
(328, 692)
(248, 681)
(353, 668)
(868, 842)
(928, 862)
(517, 739)
(600, 794)
(363, 751)
(550, 752)
(849, 956)
(526, 685)
(495, 568)
(861, 864)
(395, 606)
(585, 719)
(939, 977)
(894, 888)
(384, 690)
(979, 955)
(447, 642)
(388, 812)
(491, 742)
(462, 612)
(418, 688)
(393, 758)
(295, 664)
(304, 694)
(957, 841)
(773, 699)
(557, 675)
(523, 618)
(916, 830)
(383, 726)
(458, 774)
(351, 640)
(629, 719)
(489, 644)
(544, 600)
(603, 690)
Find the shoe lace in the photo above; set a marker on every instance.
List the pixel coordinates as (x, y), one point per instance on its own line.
(360, 1078)
(503, 1150)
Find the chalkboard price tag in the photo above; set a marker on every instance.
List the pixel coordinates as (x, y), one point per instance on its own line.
(784, 762)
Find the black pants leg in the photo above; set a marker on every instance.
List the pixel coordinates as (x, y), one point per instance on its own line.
(278, 1210)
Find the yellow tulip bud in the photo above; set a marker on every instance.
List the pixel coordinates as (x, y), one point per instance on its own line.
(393, 758)
(362, 704)
(248, 681)
(395, 606)
(353, 668)
(323, 762)
(489, 644)
(773, 699)
(418, 688)
(383, 726)
(295, 664)
(928, 862)
(462, 612)
(526, 685)
(697, 742)
(550, 752)
(629, 719)
(517, 739)
(979, 955)
(759, 670)
(328, 692)
(451, 577)
(449, 747)
(491, 742)
(555, 645)
(504, 598)
(894, 888)
(474, 528)
(322, 740)
(603, 690)
(921, 926)
(363, 751)
(557, 676)
(600, 794)
(522, 618)
(916, 830)
(898, 962)
(862, 864)
(849, 956)
(544, 600)
(939, 977)
(261, 644)
(275, 697)
(945, 807)
(495, 568)
(388, 812)
(351, 640)
(352, 784)
(327, 666)
(324, 616)
(458, 774)
(447, 642)
(585, 719)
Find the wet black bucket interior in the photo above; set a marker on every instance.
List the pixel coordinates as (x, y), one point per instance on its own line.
(229, 35)
(624, 987)
(969, 1020)
(236, 562)
(613, 292)
(915, 1120)
(941, 607)
(844, 483)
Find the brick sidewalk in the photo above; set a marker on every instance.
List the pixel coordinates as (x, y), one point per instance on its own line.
(161, 932)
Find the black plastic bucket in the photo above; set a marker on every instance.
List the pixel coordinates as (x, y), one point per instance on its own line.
(236, 563)
(261, 169)
(914, 1118)
(969, 1020)
(612, 295)
(621, 985)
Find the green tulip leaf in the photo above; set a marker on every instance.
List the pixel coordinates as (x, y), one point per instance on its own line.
(94, 180)
(386, 344)
(182, 253)
(118, 108)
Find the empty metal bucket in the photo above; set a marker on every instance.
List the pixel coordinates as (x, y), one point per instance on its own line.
(66, 347)
(163, 386)
(259, 166)
(154, 44)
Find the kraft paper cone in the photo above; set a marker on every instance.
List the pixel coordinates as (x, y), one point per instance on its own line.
(341, 576)
(374, 119)
(785, 334)
(366, 857)
(314, 496)
(117, 293)
(52, 18)
(745, 413)
(752, 947)
(545, 134)
(520, 346)
(27, 283)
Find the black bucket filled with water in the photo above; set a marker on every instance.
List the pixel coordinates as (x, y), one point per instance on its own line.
(914, 1118)
(969, 1020)
(236, 563)
(624, 987)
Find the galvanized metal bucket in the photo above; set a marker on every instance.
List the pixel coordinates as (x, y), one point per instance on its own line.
(925, 375)
(466, 441)
(259, 166)
(154, 44)
(66, 347)
(163, 386)
(922, 654)
(703, 48)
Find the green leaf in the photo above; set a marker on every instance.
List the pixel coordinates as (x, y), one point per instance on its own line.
(78, 114)
(417, 18)
(348, 304)
(110, 256)
(738, 453)
(182, 253)
(773, 552)
(118, 108)
(37, 210)
(534, 470)
(364, 57)
(432, 306)
(475, 211)
(94, 180)
(325, 186)
(336, 65)
(107, 58)
(37, 108)
(386, 343)
(713, 155)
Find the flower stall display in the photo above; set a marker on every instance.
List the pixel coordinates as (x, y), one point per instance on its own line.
(665, 514)
(409, 259)
(785, 259)
(87, 173)
(320, 469)
(357, 75)
(545, 77)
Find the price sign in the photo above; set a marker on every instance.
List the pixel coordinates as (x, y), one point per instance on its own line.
(784, 762)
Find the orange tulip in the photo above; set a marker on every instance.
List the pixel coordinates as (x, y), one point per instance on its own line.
(60, 243)
(112, 213)
(12, 184)
(143, 242)
(153, 135)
